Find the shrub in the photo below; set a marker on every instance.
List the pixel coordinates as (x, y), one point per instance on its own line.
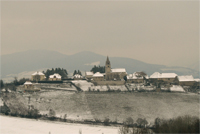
(141, 122)
(4, 109)
(106, 121)
(181, 124)
(133, 130)
(65, 117)
(52, 114)
(33, 113)
(97, 120)
(129, 122)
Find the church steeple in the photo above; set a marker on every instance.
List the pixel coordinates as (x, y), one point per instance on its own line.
(107, 66)
(107, 61)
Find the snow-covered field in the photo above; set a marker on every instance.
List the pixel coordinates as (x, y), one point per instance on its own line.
(14, 125)
(83, 84)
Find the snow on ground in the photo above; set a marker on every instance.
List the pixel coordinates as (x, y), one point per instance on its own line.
(62, 86)
(14, 125)
(140, 86)
(100, 88)
(83, 84)
(122, 88)
(176, 88)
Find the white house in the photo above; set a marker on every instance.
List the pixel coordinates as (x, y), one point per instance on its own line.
(55, 77)
(98, 76)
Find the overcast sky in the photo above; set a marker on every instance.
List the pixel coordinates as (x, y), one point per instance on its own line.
(154, 32)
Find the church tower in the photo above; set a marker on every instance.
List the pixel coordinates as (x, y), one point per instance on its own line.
(107, 66)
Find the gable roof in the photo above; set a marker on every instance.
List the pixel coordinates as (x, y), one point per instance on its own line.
(38, 73)
(186, 78)
(168, 75)
(89, 73)
(197, 80)
(97, 74)
(163, 75)
(119, 70)
(27, 83)
(155, 75)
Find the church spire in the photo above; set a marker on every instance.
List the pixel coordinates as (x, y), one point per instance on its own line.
(107, 66)
(107, 61)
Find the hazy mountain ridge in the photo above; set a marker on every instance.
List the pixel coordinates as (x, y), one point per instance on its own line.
(33, 60)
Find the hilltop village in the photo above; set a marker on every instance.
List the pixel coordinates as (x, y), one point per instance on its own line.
(115, 79)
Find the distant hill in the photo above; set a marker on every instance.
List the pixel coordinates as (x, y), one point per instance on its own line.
(33, 60)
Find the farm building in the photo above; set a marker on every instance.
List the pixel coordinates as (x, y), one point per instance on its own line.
(186, 80)
(38, 76)
(98, 77)
(28, 85)
(88, 75)
(166, 77)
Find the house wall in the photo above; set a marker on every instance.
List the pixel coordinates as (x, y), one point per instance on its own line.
(168, 80)
(135, 80)
(187, 83)
(55, 79)
(88, 76)
(115, 75)
(109, 82)
(98, 78)
(34, 77)
(28, 86)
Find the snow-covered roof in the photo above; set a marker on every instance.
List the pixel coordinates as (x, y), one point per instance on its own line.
(133, 76)
(55, 75)
(89, 73)
(163, 75)
(38, 73)
(197, 80)
(119, 70)
(155, 75)
(186, 78)
(27, 83)
(97, 74)
(176, 88)
(168, 75)
(77, 76)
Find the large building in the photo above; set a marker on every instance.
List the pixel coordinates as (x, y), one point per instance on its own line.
(186, 80)
(165, 77)
(116, 74)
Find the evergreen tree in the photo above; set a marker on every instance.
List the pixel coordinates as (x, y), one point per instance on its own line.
(62, 72)
(2, 84)
(100, 69)
(79, 72)
(75, 72)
